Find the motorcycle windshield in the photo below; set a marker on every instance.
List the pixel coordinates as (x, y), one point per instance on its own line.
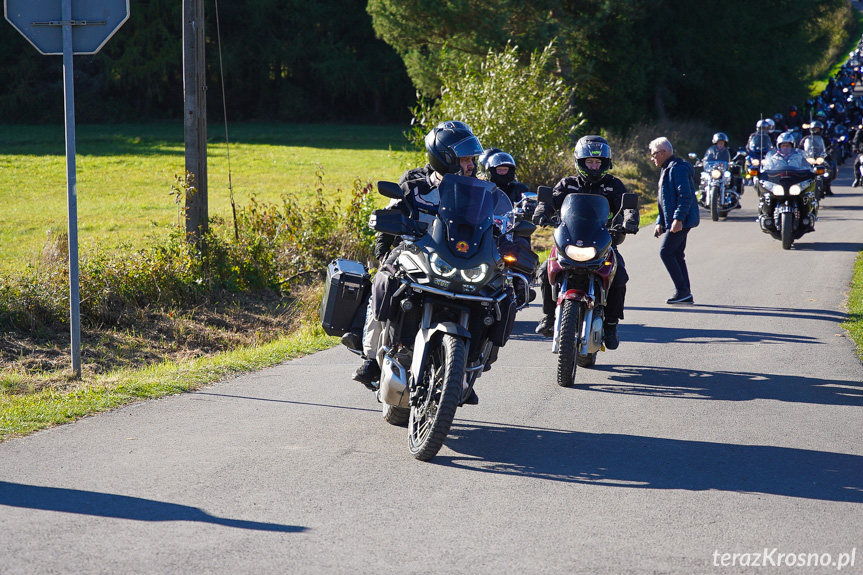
(814, 147)
(583, 220)
(721, 166)
(467, 209)
(793, 162)
(759, 144)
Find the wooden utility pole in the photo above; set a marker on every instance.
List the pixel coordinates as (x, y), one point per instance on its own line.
(195, 93)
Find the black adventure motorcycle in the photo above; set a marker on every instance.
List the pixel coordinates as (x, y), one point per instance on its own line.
(445, 302)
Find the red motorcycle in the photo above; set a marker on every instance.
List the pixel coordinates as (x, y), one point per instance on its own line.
(581, 267)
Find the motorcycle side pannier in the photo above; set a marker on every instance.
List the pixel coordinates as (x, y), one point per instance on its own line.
(346, 291)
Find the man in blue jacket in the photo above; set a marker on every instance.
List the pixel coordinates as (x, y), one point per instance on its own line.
(678, 213)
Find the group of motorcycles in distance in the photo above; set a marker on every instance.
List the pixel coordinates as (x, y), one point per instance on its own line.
(826, 132)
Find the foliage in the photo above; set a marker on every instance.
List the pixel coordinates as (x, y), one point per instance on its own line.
(522, 109)
(283, 60)
(632, 60)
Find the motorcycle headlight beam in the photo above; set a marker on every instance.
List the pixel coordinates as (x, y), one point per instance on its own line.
(715, 174)
(794, 190)
(580, 254)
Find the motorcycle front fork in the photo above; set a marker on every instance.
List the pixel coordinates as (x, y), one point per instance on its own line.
(584, 328)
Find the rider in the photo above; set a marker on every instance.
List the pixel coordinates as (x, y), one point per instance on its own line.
(451, 148)
(719, 152)
(500, 168)
(592, 163)
(787, 155)
(816, 132)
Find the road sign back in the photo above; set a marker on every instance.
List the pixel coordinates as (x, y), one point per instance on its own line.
(93, 23)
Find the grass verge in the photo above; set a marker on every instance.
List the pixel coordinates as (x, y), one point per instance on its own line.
(22, 414)
(854, 324)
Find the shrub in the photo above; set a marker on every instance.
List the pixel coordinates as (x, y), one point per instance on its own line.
(521, 108)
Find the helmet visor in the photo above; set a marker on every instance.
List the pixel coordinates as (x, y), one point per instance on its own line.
(467, 147)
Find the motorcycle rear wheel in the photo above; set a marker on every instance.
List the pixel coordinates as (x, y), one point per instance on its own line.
(570, 322)
(396, 415)
(429, 421)
(787, 230)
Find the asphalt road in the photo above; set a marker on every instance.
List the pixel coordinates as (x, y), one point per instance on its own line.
(731, 426)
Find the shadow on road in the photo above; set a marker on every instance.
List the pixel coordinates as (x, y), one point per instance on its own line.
(742, 310)
(725, 386)
(827, 246)
(640, 462)
(119, 507)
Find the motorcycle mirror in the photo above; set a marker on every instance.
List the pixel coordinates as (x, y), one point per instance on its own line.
(544, 194)
(693, 156)
(629, 202)
(529, 196)
(390, 190)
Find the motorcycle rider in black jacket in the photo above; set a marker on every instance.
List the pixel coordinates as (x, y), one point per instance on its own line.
(592, 163)
(451, 148)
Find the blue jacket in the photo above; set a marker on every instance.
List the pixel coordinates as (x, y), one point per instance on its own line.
(677, 199)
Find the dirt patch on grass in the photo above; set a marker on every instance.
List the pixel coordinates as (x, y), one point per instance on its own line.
(31, 361)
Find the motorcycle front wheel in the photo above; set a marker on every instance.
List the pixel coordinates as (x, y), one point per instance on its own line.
(787, 230)
(714, 204)
(441, 387)
(570, 322)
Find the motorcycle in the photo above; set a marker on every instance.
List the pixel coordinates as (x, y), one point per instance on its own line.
(818, 158)
(581, 267)
(788, 206)
(445, 302)
(757, 148)
(715, 190)
(514, 245)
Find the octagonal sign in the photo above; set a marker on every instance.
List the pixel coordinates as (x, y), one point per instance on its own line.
(41, 22)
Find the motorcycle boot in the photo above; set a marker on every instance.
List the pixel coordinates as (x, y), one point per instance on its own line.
(368, 374)
(545, 327)
(609, 336)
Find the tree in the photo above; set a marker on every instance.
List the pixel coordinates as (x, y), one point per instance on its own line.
(522, 109)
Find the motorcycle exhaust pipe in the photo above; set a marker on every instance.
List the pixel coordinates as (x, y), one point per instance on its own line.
(394, 383)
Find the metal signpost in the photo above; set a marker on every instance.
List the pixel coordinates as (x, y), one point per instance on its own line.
(57, 27)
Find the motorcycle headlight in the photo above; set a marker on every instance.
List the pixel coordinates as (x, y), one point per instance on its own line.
(474, 275)
(440, 267)
(715, 174)
(819, 160)
(794, 190)
(775, 189)
(580, 254)
(756, 161)
(810, 160)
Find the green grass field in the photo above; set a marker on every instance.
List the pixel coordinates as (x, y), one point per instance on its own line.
(125, 174)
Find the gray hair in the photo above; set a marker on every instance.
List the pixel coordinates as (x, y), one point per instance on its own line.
(661, 144)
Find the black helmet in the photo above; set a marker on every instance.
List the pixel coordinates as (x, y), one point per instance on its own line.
(592, 147)
(449, 141)
(496, 160)
(720, 136)
(486, 154)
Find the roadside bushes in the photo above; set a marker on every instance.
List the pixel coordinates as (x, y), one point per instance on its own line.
(275, 248)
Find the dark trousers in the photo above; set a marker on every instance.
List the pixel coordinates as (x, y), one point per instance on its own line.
(614, 301)
(671, 253)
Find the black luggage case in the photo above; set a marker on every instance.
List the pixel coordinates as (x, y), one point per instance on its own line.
(346, 291)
